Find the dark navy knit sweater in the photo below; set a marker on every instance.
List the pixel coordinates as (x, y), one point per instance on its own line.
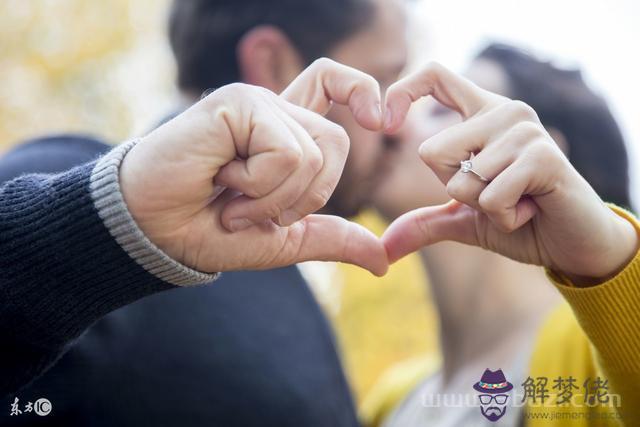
(252, 349)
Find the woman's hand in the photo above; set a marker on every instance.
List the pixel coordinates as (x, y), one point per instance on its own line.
(229, 184)
(521, 198)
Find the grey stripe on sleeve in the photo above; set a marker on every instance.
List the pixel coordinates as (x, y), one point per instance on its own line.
(108, 200)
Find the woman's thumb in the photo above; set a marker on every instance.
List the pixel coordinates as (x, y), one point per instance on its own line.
(429, 225)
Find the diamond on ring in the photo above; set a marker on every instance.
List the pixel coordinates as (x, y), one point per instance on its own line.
(466, 166)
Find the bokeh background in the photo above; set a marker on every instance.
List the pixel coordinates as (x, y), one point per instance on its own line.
(104, 68)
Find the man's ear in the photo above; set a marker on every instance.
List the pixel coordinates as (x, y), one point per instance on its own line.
(266, 57)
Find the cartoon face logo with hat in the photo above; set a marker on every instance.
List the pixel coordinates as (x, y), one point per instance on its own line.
(493, 388)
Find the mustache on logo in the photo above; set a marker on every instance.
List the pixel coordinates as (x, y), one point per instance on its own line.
(493, 410)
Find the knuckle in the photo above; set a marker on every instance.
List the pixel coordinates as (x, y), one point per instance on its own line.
(260, 187)
(291, 158)
(489, 202)
(337, 133)
(255, 192)
(542, 154)
(341, 140)
(433, 73)
(433, 68)
(234, 89)
(430, 152)
(370, 82)
(525, 131)
(319, 198)
(522, 110)
(322, 64)
(234, 92)
(273, 210)
(237, 93)
(504, 223)
(255, 188)
(315, 161)
(509, 226)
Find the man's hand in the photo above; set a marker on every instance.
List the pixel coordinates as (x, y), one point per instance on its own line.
(229, 184)
(533, 207)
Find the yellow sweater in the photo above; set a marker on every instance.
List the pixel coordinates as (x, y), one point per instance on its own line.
(594, 336)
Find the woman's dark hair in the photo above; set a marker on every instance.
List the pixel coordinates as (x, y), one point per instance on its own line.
(564, 101)
(204, 34)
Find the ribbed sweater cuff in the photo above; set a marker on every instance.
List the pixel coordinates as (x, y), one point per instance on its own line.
(61, 268)
(609, 312)
(108, 199)
(70, 253)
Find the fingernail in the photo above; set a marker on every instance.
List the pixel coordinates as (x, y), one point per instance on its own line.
(239, 224)
(387, 118)
(289, 217)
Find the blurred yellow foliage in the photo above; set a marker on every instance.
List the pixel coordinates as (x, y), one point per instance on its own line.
(61, 64)
(384, 320)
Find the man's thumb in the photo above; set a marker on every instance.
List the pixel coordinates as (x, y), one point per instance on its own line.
(429, 225)
(331, 238)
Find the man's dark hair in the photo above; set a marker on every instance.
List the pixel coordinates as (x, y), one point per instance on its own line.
(204, 34)
(564, 101)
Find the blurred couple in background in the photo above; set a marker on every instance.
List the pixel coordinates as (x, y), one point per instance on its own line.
(255, 348)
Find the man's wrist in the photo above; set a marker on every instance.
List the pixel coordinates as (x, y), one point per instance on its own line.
(110, 204)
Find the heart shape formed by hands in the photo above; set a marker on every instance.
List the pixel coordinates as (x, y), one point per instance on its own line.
(278, 160)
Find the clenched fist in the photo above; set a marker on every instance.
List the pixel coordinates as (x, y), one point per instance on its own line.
(230, 184)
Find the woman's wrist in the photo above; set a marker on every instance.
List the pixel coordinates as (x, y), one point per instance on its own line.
(624, 246)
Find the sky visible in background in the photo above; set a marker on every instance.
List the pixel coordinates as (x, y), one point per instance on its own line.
(600, 37)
